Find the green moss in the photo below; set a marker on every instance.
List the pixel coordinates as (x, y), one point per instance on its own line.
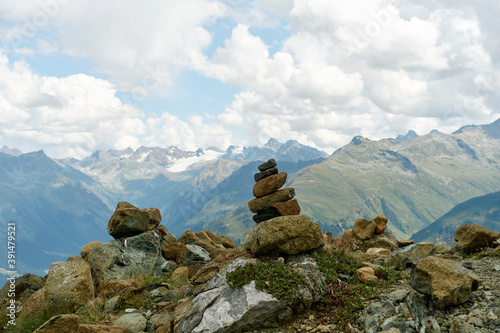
(482, 254)
(345, 298)
(28, 324)
(93, 313)
(276, 278)
(389, 274)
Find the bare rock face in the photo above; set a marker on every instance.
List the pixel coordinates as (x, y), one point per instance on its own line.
(69, 285)
(128, 220)
(364, 229)
(269, 184)
(286, 234)
(87, 248)
(446, 282)
(207, 240)
(473, 237)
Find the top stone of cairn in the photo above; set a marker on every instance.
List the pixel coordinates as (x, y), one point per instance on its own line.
(267, 165)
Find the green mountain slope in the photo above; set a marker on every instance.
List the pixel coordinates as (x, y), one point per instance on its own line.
(412, 182)
(483, 210)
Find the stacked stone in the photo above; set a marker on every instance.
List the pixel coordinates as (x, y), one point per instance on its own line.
(270, 201)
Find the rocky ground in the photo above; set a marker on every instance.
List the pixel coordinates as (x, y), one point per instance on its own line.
(480, 314)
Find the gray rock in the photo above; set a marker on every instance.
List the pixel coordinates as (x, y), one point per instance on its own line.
(126, 258)
(134, 322)
(261, 175)
(430, 325)
(193, 254)
(384, 308)
(418, 306)
(398, 295)
(371, 324)
(267, 165)
(314, 287)
(396, 321)
(459, 325)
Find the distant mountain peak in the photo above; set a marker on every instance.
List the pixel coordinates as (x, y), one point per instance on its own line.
(410, 135)
(492, 130)
(357, 140)
(13, 151)
(272, 144)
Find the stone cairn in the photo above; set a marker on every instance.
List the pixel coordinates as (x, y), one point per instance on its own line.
(270, 201)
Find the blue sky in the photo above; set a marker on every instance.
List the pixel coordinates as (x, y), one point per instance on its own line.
(79, 76)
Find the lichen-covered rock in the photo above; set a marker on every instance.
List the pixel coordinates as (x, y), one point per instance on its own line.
(193, 254)
(25, 286)
(69, 285)
(409, 256)
(285, 234)
(445, 281)
(363, 229)
(473, 237)
(128, 220)
(126, 258)
(134, 322)
(89, 247)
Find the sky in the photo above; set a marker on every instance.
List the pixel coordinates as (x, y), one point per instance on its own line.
(78, 76)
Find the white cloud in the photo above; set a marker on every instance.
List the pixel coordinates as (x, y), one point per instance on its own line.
(71, 116)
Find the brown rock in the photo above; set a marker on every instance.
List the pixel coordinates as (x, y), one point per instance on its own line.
(473, 237)
(381, 222)
(287, 208)
(119, 286)
(264, 174)
(172, 251)
(258, 204)
(162, 322)
(363, 229)
(180, 274)
(365, 274)
(405, 242)
(267, 165)
(66, 323)
(34, 305)
(162, 230)
(89, 247)
(86, 328)
(447, 282)
(69, 285)
(285, 234)
(206, 240)
(369, 264)
(269, 184)
(383, 240)
(128, 220)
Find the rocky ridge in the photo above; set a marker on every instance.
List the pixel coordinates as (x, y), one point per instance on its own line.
(146, 280)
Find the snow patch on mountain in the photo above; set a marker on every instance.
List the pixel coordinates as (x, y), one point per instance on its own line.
(184, 164)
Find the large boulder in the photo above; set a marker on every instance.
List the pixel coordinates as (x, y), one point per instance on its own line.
(126, 258)
(134, 322)
(193, 254)
(69, 285)
(284, 234)
(266, 201)
(223, 309)
(269, 184)
(473, 237)
(128, 220)
(446, 282)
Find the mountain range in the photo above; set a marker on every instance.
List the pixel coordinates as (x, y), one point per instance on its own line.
(60, 205)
